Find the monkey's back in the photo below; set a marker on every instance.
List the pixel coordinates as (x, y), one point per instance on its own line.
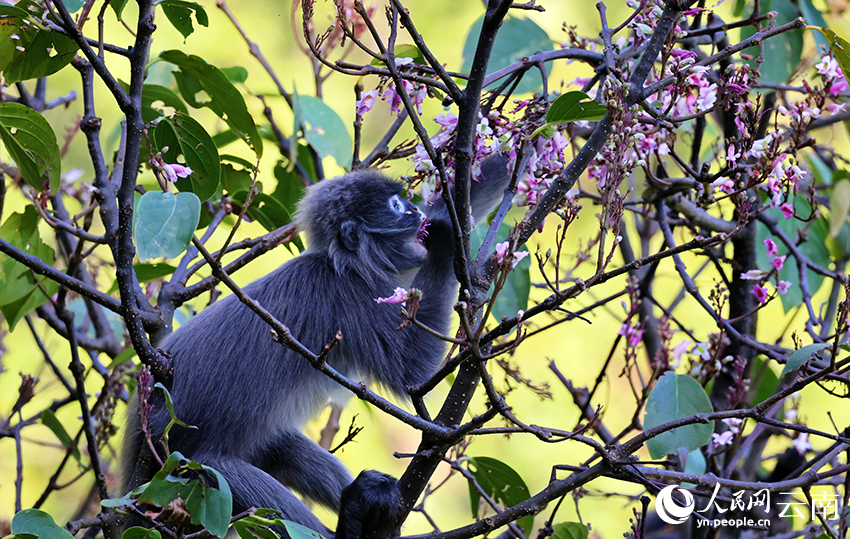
(240, 387)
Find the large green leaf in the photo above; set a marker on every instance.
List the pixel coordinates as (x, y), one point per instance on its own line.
(676, 396)
(179, 14)
(782, 53)
(137, 532)
(796, 360)
(163, 223)
(501, 483)
(572, 106)
(49, 420)
(570, 530)
(21, 290)
(198, 150)
(517, 37)
(28, 52)
(31, 142)
(195, 76)
(37, 522)
(323, 129)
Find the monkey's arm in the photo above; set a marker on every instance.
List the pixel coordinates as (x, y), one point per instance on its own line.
(436, 278)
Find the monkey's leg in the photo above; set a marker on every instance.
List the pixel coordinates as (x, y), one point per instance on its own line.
(252, 487)
(299, 463)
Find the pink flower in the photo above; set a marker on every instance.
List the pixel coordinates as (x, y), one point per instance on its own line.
(760, 293)
(681, 349)
(753, 275)
(174, 171)
(770, 245)
(801, 443)
(787, 210)
(734, 424)
(399, 296)
(783, 286)
(366, 102)
(835, 108)
(502, 250)
(724, 438)
(778, 262)
(681, 53)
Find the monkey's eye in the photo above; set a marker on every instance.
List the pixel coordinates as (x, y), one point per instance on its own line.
(397, 204)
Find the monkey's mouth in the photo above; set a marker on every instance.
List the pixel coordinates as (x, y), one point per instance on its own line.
(422, 233)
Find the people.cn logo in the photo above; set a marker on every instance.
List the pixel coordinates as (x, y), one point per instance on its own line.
(670, 510)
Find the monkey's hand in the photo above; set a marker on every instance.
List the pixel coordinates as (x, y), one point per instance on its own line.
(369, 508)
(440, 239)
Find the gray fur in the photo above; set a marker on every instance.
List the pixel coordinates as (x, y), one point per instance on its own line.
(250, 396)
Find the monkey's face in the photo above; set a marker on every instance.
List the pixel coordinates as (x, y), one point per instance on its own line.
(406, 231)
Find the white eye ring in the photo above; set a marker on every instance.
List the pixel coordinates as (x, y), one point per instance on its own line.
(396, 204)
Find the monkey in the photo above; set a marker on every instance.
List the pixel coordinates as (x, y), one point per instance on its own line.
(249, 397)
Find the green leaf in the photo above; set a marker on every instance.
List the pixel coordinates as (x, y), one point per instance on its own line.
(154, 93)
(127, 499)
(235, 74)
(297, 531)
(28, 52)
(739, 8)
(517, 37)
(224, 99)
(74, 5)
(695, 463)
(782, 53)
(839, 206)
(170, 405)
(211, 507)
(501, 483)
(572, 106)
(164, 223)
(137, 532)
(840, 48)
(21, 290)
(265, 210)
(49, 420)
(31, 142)
(234, 180)
(676, 396)
(37, 522)
(323, 129)
(198, 151)
(570, 530)
(569, 107)
(146, 272)
(289, 190)
(767, 382)
(404, 51)
(796, 360)
(118, 7)
(179, 14)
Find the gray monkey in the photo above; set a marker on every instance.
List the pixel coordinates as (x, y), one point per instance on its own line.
(250, 397)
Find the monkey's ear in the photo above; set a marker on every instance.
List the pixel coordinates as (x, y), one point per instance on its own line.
(349, 234)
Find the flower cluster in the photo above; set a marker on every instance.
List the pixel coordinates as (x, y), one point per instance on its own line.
(777, 262)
